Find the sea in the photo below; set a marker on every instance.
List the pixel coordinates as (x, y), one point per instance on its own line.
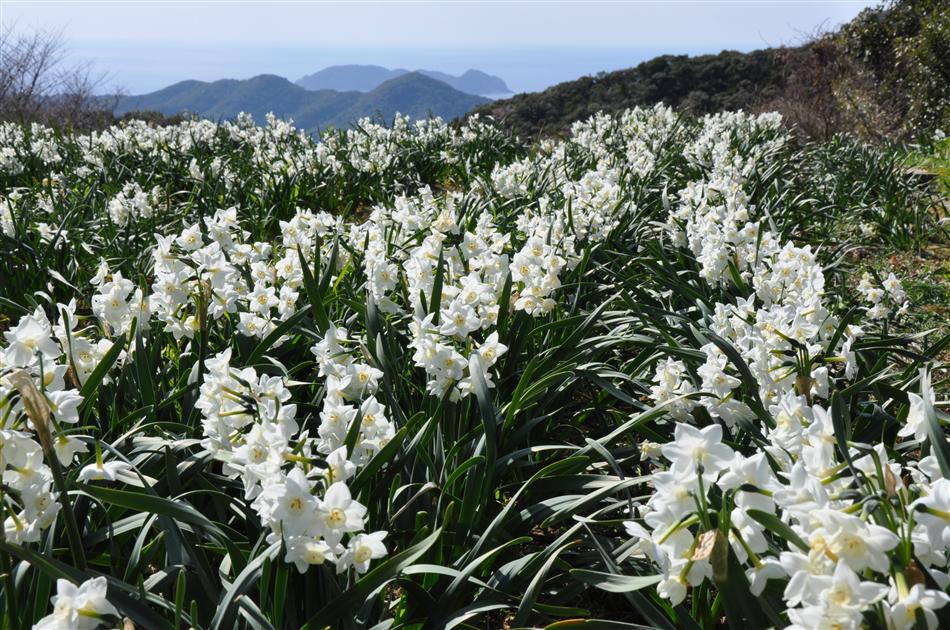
(138, 69)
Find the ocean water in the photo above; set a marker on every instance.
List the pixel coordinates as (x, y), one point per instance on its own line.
(141, 68)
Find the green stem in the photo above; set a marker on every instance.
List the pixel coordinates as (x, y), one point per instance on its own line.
(72, 529)
(9, 586)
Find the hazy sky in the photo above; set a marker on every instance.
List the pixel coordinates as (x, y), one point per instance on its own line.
(146, 45)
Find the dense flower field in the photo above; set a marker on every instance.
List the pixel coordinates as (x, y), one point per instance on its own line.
(420, 376)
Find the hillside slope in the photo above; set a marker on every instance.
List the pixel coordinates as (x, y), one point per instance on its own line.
(884, 75)
(727, 81)
(411, 93)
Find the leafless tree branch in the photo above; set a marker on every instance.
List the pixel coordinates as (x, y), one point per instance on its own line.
(37, 84)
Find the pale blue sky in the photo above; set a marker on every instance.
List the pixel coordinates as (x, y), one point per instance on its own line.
(147, 45)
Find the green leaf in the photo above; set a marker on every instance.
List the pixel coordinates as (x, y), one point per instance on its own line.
(936, 433)
(230, 599)
(108, 359)
(320, 317)
(489, 423)
(369, 472)
(595, 624)
(775, 525)
(435, 306)
(462, 469)
(278, 332)
(331, 265)
(841, 421)
(488, 535)
(124, 596)
(454, 590)
(615, 583)
(749, 382)
(534, 588)
(143, 371)
(353, 597)
(139, 502)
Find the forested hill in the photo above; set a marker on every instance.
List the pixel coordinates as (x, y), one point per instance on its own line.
(884, 75)
(727, 81)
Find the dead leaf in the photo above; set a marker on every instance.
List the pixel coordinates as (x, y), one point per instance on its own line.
(37, 408)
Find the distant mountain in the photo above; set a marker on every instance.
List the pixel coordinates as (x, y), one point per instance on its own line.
(367, 78)
(349, 78)
(411, 93)
(472, 82)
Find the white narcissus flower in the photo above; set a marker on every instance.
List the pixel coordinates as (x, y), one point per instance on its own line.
(459, 320)
(759, 574)
(190, 238)
(489, 351)
(855, 542)
(80, 607)
(819, 617)
(920, 406)
(364, 379)
(39, 505)
(27, 338)
(916, 423)
(27, 467)
(338, 513)
(713, 373)
(675, 497)
(54, 377)
(365, 547)
(304, 551)
(66, 447)
(844, 590)
(292, 504)
(933, 511)
(262, 299)
(339, 468)
(105, 471)
(692, 447)
(903, 609)
(672, 588)
(373, 416)
(804, 571)
(65, 405)
(669, 384)
(746, 475)
(644, 540)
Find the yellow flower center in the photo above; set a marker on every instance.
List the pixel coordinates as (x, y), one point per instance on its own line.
(362, 554)
(336, 518)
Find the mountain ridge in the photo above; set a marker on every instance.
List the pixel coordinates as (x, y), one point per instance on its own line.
(365, 78)
(411, 94)
(729, 80)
